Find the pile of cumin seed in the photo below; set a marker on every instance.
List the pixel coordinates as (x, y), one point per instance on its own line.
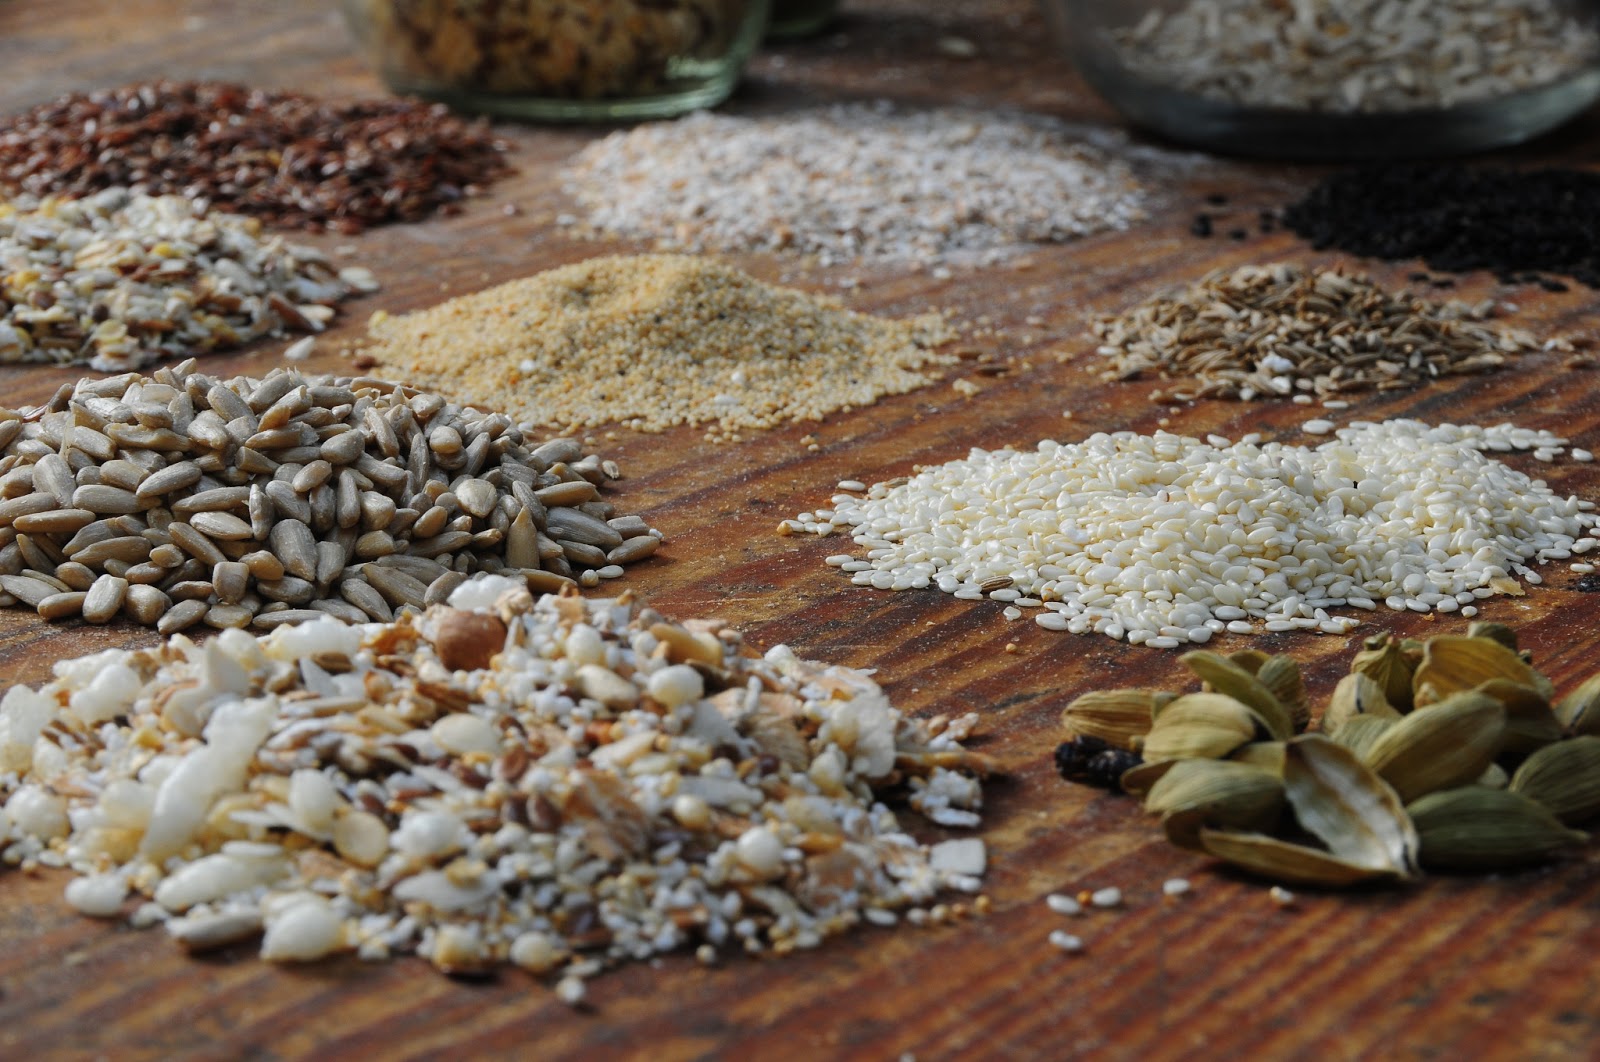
(1279, 331)
(654, 341)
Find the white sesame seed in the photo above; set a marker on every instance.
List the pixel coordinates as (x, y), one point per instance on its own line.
(1060, 938)
(1318, 427)
(1108, 897)
(1063, 905)
(1281, 896)
(1175, 886)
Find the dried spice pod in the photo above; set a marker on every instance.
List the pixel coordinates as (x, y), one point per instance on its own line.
(1579, 711)
(1564, 777)
(1342, 803)
(1498, 632)
(1265, 754)
(1218, 794)
(1138, 781)
(1282, 677)
(1284, 861)
(1384, 662)
(1231, 680)
(1249, 659)
(1120, 717)
(1360, 732)
(1356, 695)
(1455, 664)
(1445, 745)
(1200, 726)
(1531, 724)
(1473, 828)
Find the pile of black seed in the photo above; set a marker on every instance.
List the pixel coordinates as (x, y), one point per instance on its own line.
(1518, 224)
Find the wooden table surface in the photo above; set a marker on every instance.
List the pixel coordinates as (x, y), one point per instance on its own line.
(1454, 968)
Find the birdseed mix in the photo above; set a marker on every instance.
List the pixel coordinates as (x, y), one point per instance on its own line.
(1163, 540)
(653, 341)
(1458, 219)
(120, 279)
(291, 160)
(569, 51)
(180, 498)
(1358, 56)
(1278, 330)
(858, 181)
(553, 783)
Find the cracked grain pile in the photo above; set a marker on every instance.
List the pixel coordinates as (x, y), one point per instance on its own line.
(855, 182)
(558, 784)
(653, 341)
(1358, 56)
(533, 47)
(180, 498)
(291, 160)
(1277, 331)
(120, 279)
(1164, 540)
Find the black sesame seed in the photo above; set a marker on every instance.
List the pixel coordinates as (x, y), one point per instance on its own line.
(1587, 583)
(1201, 225)
(1458, 219)
(1092, 761)
(1238, 234)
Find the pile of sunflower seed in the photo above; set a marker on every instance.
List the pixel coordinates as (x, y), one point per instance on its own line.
(119, 280)
(1279, 331)
(179, 498)
(557, 783)
(1357, 56)
(1448, 754)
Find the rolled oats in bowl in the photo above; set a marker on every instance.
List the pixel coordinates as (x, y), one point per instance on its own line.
(559, 59)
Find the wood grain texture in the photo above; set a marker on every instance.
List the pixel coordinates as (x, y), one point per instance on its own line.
(1454, 968)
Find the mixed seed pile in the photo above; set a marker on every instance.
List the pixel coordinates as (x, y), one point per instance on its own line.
(1449, 754)
(1278, 330)
(1458, 219)
(1163, 540)
(856, 182)
(558, 784)
(1357, 56)
(289, 159)
(179, 498)
(120, 279)
(653, 341)
(532, 47)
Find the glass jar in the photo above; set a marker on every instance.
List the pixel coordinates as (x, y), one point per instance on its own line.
(1338, 78)
(561, 60)
(800, 18)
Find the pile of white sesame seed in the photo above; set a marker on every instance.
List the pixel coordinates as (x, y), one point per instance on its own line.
(1164, 540)
(856, 182)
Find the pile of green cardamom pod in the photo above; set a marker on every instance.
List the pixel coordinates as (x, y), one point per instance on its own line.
(1447, 754)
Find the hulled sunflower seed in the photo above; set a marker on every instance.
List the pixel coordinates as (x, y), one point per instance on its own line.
(104, 599)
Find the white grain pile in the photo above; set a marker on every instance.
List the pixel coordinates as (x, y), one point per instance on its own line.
(1164, 540)
(560, 785)
(858, 181)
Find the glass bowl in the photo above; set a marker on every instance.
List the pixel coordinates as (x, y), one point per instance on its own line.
(1338, 79)
(799, 18)
(561, 60)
